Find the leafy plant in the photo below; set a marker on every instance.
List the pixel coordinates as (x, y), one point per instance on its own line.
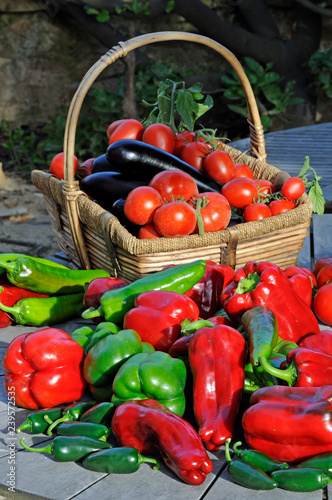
(21, 146)
(320, 64)
(267, 88)
(174, 102)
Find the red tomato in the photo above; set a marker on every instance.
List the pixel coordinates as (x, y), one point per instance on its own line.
(175, 219)
(321, 263)
(322, 304)
(264, 189)
(84, 169)
(281, 206)
(174, 184)
(114, 125)
(293, 188)
(194, 154)
(219, 166)
(242, 170)
(215, 212)
(141, 204)
(56, 166)
(324, 275)
(256, 211)
(148, 232)
(128, 129)
(181, 140)
(159, 135)
(239, 192)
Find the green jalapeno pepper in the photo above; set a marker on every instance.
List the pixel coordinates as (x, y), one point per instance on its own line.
(26, 273)
(322, 461)
(101, 413)
(301, 478)
(246, 474)
(122, 460)
(71, 413)
(117, 302)
(38, 421)
(69, 448)
(45, 311)
(259, 459)
(88, 429)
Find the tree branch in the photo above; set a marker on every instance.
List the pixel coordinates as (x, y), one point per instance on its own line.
(314, 8)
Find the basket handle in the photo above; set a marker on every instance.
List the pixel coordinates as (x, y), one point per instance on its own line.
(71, 187)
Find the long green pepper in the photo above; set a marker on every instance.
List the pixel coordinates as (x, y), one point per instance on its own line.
(38, 421)
(46, 310)
(29, 274)
(301, 479)
(116, 303)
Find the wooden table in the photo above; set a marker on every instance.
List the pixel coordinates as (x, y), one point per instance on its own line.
(37, 476)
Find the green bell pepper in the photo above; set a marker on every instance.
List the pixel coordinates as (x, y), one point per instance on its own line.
(153, 375)
(105, 358)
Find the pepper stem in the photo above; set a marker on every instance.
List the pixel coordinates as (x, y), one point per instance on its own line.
(11, 310)
(142, 459)
(236, 449)
(200, 223)
(289, 375)
(189, 328)
(247, 284)
(92, 313)
(227, 451)
(46, 449)
(65, 418)
(48, 420)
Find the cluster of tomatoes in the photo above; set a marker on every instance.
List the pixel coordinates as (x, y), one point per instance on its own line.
(171, 206)
(323, 290)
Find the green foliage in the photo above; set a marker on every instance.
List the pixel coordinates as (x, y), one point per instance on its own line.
(134, 6)
(21, 146)
(267, 88)
(28, 150)
(320, 64)
(315, 192)
(175, 102)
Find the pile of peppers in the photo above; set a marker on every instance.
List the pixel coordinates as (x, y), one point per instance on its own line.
(200, 332)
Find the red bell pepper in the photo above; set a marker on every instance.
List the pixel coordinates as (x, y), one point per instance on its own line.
(303, 368)
(320, 263)
(207, 291)
(9, 295)
(151, 428)
(321, 342)
(96, 288)
(44, 369)
(302, 283)
(324, 275)
(289, 423)
(158, 315)
(217, 358)
(266, 284)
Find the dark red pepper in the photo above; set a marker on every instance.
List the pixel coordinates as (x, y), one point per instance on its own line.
(9, 295)
(217, 357)
(207, 291)
(153, 429)
(158, 316)
(266, 284)
(96, 288)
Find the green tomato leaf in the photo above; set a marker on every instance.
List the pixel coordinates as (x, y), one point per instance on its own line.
(184, 105)
(318, 201)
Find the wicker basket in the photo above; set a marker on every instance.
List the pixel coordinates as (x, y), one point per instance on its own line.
(94, 238)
